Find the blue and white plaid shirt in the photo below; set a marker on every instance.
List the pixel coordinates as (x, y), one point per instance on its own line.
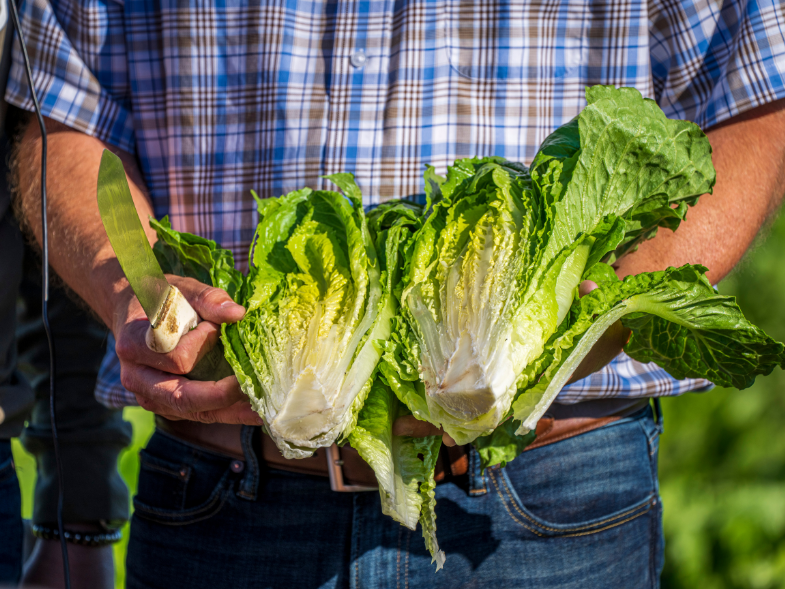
(217, 98)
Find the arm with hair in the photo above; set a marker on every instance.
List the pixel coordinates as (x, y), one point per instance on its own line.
(748, 152)
(80, 252)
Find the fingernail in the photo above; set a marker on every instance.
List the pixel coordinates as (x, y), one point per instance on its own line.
(229, 305)
(259, 420)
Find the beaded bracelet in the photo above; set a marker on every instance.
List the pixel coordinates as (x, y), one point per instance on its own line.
(80, 538)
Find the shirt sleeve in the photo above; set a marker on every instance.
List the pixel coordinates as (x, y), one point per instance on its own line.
(712, 59)
(78, 57)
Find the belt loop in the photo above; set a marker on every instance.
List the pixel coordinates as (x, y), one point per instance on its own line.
(250, 482)
(476, 477)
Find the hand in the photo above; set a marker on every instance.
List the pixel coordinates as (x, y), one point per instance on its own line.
(409, 425)
(607, 347)
(156, 379)
(91, 566)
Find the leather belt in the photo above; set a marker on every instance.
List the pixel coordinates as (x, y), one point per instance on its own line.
(347, 471)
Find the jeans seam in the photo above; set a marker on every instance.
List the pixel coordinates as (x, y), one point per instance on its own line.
(651, 439)
(151, 465)
(558, 530)
(172, 520)
(613, 525)
(504, 503)
(406, 560)
(249, 484)
(652, 536)
(217, 496)
(398, 560)
(476, 473)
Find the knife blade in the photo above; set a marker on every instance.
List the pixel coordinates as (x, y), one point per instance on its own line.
(169, 313)
(128, 238)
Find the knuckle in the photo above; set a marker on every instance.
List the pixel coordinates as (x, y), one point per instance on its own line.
(205, 416)
(180, 364)
(211, 296)
(145, 403)
(127, 379)
(179, 401)
(124, 347)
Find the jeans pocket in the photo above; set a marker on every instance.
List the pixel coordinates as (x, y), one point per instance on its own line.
(180, 488)
(582, 485)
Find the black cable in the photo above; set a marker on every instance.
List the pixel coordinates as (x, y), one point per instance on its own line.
(45, 297)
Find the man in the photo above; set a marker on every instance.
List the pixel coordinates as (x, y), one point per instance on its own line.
(205, 102)
(91, 436)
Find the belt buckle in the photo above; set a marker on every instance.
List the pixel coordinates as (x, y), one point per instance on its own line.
(335, 470)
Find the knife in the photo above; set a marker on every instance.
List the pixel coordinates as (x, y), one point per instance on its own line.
(169, 313)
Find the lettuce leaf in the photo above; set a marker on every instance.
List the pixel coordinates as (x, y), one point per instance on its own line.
(489, 296)
(677, 320)
(404, 466)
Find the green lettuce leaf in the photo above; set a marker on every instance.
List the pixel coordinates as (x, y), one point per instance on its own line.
(677, 320)
(404, 466)
(502, 445)
(185, 254)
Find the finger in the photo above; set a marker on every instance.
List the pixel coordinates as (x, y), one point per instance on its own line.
(586, 287)
(239, 413)
(448, 441)
(177, 395)
(211, 304)
(131, 347)
(409, 425)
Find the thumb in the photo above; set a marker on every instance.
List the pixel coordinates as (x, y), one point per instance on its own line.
(211, 304)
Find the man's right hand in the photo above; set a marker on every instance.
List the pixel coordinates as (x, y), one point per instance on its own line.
(156, 379)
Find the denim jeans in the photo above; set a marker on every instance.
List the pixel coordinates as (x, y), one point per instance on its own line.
(10, 518)
(581, 513)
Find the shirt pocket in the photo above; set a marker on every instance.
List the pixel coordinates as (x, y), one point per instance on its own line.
(582, 485)
(516, 41)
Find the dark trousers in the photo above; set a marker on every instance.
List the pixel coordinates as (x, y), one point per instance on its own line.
(91, 436)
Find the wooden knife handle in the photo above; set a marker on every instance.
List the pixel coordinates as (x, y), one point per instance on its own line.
(177, 317)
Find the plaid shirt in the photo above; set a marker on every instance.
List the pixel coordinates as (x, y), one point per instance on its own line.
(218, 98)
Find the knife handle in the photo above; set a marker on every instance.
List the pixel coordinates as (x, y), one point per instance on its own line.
(177, 317)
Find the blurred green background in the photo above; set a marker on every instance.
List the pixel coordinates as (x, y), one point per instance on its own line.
(722, 457)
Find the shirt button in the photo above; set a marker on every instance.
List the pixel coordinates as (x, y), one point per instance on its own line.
(237, 466)
(358, 59)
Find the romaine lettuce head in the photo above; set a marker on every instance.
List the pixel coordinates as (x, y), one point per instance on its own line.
(304, 352)
(495, 267)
